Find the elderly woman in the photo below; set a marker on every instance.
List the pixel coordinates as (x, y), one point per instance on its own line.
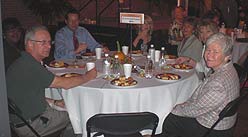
(190, 46)
(205, 29)
(195, 116)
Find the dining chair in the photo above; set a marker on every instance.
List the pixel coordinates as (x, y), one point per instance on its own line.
(121, 124)
(15, 110)
(229, 110)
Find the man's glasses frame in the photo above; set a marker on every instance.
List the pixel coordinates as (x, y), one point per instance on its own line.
(42, 42)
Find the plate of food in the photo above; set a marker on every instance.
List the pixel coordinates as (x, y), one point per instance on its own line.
(58, 64)
(67, 75)
(88, 54)
(170, 56)
(182, 67)
(123, 82)
(76, 66)
(168, 77)
(136, 53)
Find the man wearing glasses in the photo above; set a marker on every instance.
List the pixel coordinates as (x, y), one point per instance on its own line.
(26, 83)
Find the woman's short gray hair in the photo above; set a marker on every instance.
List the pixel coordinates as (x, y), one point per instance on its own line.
(224, 41)
(30, 33)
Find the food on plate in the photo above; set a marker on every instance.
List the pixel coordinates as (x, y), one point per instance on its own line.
(170, 56)
(58, 64)
(67, 75)
(109, 77)
(182, 66)
(168, 76)
(76, 66)
(124, 82)
(136, 52)
(88, 54)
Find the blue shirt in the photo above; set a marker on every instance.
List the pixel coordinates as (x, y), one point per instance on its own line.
(64, 48)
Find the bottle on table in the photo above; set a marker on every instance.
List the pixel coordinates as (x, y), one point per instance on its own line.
(162, 60)
(152, 53)
(106, 65)
(116, 67)
(149, 68)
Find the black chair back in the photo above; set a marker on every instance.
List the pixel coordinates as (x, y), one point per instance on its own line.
(229, 110)
(122, 124)
(14, 110)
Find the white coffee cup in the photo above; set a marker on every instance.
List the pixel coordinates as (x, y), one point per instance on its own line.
(127, 70)
(90, 65)
(98, 53)
(157, 55)
(125, 49)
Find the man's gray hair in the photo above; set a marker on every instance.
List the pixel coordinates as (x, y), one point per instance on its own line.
(224, 41)
(30, 33)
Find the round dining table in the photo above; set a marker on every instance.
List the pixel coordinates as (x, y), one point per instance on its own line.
(100, 96)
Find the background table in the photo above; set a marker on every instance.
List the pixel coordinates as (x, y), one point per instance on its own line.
(239, 49)
(99, 96)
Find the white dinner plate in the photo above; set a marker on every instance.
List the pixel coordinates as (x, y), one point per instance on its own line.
(136, 55)
(131, 86)
(158, 77)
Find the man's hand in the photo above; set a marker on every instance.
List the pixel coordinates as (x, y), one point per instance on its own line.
(59, 103)
(81, 47)
(91, 74)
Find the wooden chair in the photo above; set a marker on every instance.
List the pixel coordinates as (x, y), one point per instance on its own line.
(121, 124)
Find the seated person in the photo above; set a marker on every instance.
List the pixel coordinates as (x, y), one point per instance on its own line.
(205, 29)
(145, 36)
(73, 40)
(195, 116)
(212, 15)
(190, 46)
(26, 81)
(13, 43)
(175, 30)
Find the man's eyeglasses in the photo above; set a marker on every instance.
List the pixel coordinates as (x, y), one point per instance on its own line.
(42, 42)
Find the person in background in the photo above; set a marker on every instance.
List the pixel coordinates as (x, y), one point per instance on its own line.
(229, 11)
(73, 40)
(26, 81)
(212, 15)
(175, 30)
(144, 36)
(205, 29)
(190, 46)
(195, 116)
(144, 33)
(12, 40)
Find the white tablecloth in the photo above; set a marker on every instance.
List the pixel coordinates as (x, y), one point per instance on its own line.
(99, 96)
(239, 49)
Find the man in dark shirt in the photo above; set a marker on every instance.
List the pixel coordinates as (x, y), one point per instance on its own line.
(26, 83)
